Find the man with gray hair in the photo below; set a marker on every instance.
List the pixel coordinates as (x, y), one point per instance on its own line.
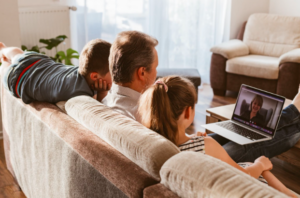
(132, 63)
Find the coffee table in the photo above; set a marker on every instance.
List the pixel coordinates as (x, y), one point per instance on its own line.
(224, 113)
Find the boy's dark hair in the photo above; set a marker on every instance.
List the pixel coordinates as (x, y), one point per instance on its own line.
(94, 57)
(131, 50)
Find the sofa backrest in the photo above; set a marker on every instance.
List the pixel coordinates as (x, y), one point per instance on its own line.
(191, 174)
(144, 147)
(272, 35)
(50, 150)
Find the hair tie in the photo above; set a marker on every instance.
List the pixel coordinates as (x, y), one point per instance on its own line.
(162, 83)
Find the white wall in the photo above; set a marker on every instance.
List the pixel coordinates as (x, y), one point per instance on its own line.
(29, 3)
(9, 23)
(285, 7)
(242, 9)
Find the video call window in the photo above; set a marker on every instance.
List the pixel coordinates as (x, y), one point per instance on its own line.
(258, 110)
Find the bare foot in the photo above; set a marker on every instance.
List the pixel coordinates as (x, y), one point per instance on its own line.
(296, 101)
(2, 45)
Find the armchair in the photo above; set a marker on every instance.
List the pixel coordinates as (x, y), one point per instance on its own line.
(267, 56)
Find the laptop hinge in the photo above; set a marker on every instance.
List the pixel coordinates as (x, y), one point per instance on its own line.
(252, 129)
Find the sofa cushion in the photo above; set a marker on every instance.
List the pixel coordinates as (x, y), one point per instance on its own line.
(272, 35)
(62, 105)
(146, 148)
(255, 66)
(191, 174)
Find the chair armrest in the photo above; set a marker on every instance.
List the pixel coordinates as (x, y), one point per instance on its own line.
(231, 49)
(291, 56)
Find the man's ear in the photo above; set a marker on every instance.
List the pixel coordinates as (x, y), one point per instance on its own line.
(187, 112)
(141, 73)
(94, 76)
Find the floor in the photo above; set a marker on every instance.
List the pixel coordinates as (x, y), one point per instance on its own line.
(8, 187)
(288, 174)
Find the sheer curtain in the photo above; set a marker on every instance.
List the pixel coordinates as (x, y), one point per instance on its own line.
(185, 29)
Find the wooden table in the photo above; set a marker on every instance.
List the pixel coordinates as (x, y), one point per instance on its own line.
(224, 113)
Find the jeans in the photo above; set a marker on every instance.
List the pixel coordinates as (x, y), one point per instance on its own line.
(286, 136)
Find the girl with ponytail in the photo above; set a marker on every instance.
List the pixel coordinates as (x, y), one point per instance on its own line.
(168, 107)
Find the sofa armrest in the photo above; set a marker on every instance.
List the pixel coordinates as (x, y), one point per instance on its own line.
(291, 56)
(191, 174)
(231, 49)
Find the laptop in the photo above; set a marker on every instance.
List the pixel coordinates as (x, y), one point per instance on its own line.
(255, 117)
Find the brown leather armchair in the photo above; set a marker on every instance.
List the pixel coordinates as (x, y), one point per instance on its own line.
(266, 55)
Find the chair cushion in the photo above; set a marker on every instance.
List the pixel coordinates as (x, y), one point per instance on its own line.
(272, 35)
(255, 66)
(146, 148)
(192, 174)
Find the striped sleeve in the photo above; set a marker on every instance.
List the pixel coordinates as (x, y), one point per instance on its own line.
(194, 144)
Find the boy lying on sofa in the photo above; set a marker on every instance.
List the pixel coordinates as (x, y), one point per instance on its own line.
(36, 77)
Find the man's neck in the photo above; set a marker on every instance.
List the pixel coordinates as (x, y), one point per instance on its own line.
(134, 86)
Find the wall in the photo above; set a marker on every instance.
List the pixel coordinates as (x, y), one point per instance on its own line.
(29, 3)
(285, 7)
(48, 3)
(10, 29)
(242, 9)
(9, 23)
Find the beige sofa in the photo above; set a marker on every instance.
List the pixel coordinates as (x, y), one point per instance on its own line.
(267, 57)
(84, 149)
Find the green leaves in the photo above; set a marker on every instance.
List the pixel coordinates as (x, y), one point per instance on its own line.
(53, 42)
(34, 48)
(56, 58)
(68, 56)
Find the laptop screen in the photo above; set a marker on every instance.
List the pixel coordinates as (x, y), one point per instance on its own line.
(258, 109)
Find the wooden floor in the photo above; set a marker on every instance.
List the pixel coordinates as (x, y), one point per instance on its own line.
(288, 174)
(8, 187)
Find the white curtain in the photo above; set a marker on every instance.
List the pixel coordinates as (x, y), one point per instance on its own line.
(185, 29)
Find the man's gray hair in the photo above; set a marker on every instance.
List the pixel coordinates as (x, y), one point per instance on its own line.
(130, 51)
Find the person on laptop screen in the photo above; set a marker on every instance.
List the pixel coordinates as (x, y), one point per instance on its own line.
(253, 114)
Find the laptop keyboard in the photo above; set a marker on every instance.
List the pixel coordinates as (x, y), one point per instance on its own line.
(241, 130)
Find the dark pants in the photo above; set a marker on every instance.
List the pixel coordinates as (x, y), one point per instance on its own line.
(286, 136)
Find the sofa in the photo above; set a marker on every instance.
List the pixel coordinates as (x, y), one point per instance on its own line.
(266, 55)
(81, 148)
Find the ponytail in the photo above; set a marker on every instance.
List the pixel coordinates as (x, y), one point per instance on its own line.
(161, 105)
